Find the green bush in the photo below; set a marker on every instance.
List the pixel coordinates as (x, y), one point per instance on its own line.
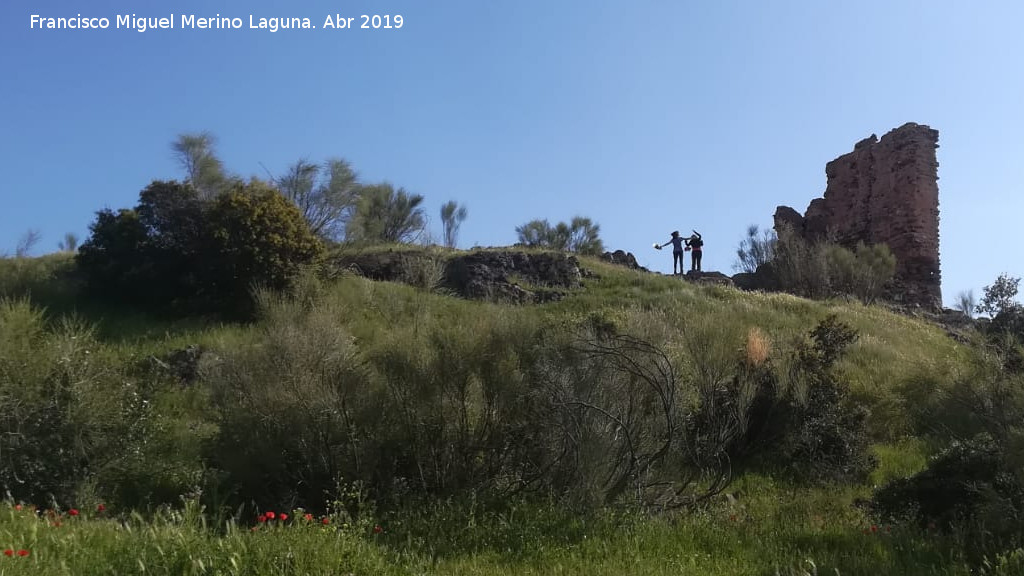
(56, 414)
(256, 238)
(802, 415)
(175, 253)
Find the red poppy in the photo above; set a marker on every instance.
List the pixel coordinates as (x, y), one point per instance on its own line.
(22, 553)
(325, 521)
(270, 515)
(17, 507)
(377, 529)
(308, 517)
(73, 512)
(874, 528)
(8, 552)
(282, 517)
(261, 518)
(101, 508)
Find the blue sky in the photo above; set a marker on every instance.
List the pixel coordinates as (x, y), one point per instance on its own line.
(646, 116)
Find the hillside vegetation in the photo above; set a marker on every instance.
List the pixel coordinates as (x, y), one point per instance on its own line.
(402, 419)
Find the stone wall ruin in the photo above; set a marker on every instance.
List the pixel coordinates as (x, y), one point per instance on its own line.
(885, 191)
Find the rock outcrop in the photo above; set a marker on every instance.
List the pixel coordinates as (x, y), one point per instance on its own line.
(494, 274)
(885, 191)
(623, 258)
(716, 278)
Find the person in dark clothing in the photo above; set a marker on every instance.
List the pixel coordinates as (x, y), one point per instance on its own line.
(677, 252)
(693, 245)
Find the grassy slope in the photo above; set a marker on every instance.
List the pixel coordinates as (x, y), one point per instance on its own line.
(772, 527)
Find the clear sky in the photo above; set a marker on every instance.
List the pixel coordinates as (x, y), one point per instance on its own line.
(647, 116)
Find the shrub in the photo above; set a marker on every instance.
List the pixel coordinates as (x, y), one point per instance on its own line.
(257, 238)
(821, 269)
(999, 296)
(177, 253)
(580, 235)
(969, 488)
(974, 487)
(756, 250)
(803, 416)
(58, 406)
(296, 409)
(801, 267)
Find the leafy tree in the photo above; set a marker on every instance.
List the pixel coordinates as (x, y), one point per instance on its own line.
(203, 169)
(257, 238)
(535, 233)
(114, 260)
(757, 249)
(69, 243)
(966, 303)
(585, 237)
(175, 252)
(581, 236)
(325, 194)
(999, 297)
(452, 217)
(384, 214)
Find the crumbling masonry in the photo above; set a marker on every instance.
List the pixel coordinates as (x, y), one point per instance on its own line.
(885, 191)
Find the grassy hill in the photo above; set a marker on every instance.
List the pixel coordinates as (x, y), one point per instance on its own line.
(146, 440)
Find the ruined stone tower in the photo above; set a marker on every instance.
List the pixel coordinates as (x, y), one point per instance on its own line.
(885, 191)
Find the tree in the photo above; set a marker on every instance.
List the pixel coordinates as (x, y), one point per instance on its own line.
(69, 243)
(177, 253)
(257, 238)
(195, 152)
(584, 237)
(27, 242)
(535, 233)
(325, 194)
(966, 303)
(452, 217)
(756, 250)
(386, 215)
(581, 236)
(999, 297)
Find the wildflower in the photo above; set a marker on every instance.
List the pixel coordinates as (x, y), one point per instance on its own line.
(325, 521)
(282, 517)
(888, 529)
(270, 515)
(73, 512)
(17, 507)
(261, 518)
(377, 529)
(22, 553)
(308, 517)
(732, 518)
(874, 528)
(8, 552)
(101, 508)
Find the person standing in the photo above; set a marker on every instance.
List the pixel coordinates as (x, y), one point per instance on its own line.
(677, 252)
(694, 245)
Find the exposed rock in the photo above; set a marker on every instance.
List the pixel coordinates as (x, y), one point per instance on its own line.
(885, 191)
(623, 258)
(716, 278)
(763, 279)
(496, 275)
